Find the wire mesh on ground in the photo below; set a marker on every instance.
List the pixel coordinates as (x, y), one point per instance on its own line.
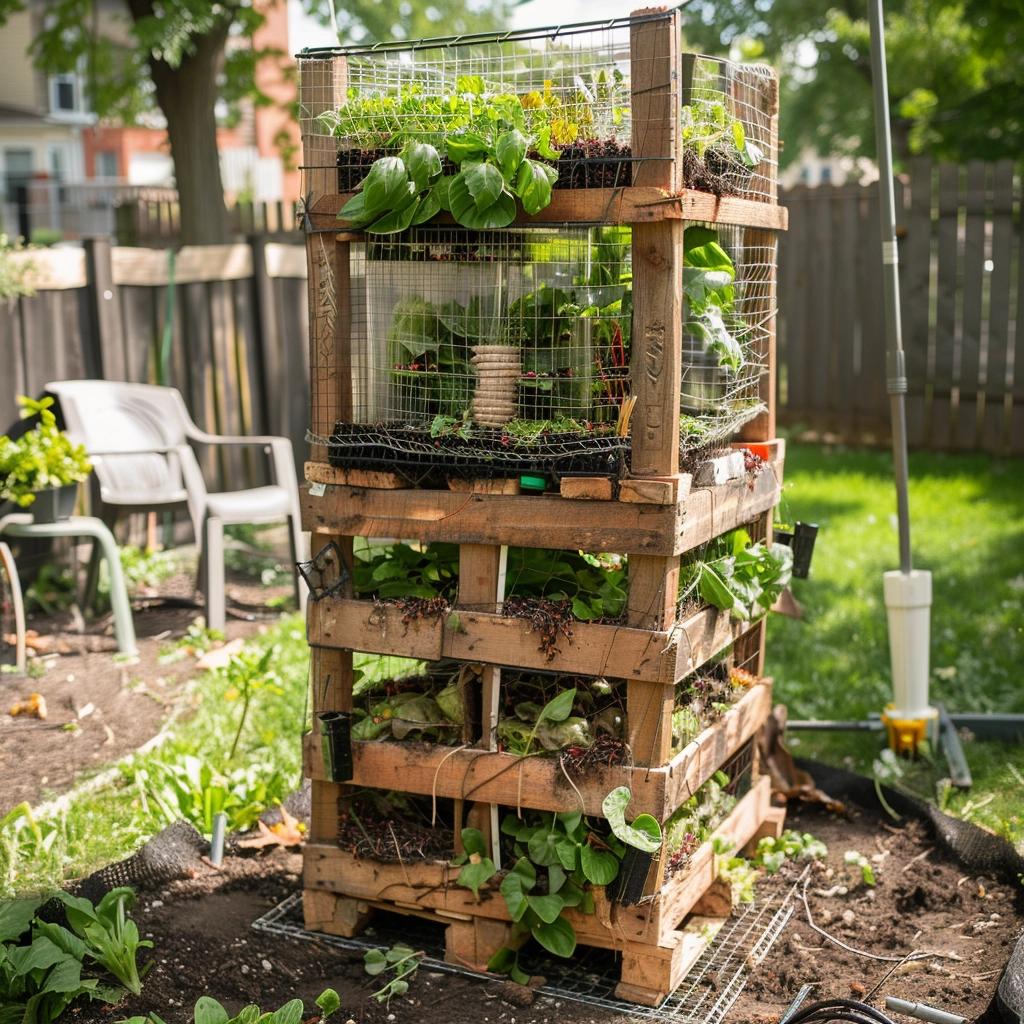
(590, 977)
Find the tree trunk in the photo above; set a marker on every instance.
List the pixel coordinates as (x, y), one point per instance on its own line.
(187, 95)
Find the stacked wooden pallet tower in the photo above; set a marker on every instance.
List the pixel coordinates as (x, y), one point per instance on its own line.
(654, 515)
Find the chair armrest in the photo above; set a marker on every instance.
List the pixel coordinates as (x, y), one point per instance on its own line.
(282, 458)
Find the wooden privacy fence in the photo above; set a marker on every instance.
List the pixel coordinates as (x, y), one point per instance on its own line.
(225, 324)
(962, 300)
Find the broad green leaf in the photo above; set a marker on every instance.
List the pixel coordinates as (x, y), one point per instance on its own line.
(543, 848)
(644, 833)
(400, 218)
(713, 590)
(465, 211)
(385, 186)
(465, 145)
(556, 878)
(547, 908)
(559, 708)
(354, 211)
(41, 955)
(510, 150)
(473, 841)
(474, 875)
(290, 1013)
(209, 1011)
(374, 961)
(485, 184)
(430, 206)
(66, 976)
(533, 185)
(583, 611)
(15, 917)
(599, 866)
(558, 937)
(423, 163)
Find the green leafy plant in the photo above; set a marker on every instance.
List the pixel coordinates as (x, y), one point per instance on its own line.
(42, 457)
(644, 833)
(595, 585)
(773, 852)
(405, 570)
(708, 126)
(41, 977)
(193, 789)
(694, 822)
(427, 705)
(856, 860)
(209, 1011)
(15, 273)
(708, 286)
(111, 936)
(744, 579)
(196, 640)
(491, 152)
(400, 961)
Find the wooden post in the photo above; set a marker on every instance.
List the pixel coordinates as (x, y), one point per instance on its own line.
(322, 88)
(104, 309)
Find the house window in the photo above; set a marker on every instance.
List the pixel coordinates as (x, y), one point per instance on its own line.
(66, 94)
(826, 175)
(107, 164)
(17, 172)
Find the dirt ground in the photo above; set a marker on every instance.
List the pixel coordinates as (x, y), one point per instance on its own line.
(922, 901)
(101, 706)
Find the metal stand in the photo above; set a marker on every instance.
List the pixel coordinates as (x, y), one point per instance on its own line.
(23, 525)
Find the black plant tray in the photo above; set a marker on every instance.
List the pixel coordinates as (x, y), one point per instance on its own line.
(413, 453)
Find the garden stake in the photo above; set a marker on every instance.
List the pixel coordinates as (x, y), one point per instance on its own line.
(220, 824)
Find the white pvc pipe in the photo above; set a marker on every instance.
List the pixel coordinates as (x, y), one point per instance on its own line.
(908, 601)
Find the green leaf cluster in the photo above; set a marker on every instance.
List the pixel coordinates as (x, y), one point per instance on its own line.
(42, 457)
(491, 153)
(773, 852)
(860, 863)
(405, 570)
(694, 821)
(45, 967)
(209, 1011)
(708, 286)
(596, 585)
(400, 961)
(746, 579)
(707, 124)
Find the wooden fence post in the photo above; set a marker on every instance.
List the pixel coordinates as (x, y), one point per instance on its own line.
(105, 326)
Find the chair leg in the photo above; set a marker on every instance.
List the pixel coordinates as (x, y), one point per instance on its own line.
(296, 543)
(92, 572)
(213, 576)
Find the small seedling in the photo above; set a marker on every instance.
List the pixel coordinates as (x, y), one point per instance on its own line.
(857, 860)
(401, 960)
(772, 852)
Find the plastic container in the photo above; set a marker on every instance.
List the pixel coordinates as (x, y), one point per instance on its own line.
(336, 744)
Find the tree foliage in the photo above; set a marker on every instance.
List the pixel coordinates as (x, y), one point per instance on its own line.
(181, 56)
(956, 71)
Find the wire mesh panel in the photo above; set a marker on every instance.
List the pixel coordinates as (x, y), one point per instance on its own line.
(489, 353)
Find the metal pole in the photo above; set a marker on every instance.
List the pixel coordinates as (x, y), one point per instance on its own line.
(896, 373)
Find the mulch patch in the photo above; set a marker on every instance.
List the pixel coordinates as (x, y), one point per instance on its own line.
(204, 943)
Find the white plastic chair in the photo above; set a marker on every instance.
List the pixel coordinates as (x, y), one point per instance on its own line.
(138, 439)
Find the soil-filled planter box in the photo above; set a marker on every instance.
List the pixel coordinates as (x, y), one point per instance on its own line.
(647, 933)
(538, 782)
(542, 520)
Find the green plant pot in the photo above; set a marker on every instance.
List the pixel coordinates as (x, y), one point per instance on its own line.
(54, 504)
(336, 744)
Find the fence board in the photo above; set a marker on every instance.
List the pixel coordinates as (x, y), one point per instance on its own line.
(997, 385)
(915, 294)
(975, 203)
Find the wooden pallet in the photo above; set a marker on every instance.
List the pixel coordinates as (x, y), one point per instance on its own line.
(494, 777)
(538, 521)
(659, 940)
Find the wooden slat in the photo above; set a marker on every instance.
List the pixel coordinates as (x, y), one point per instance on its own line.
(997, 387)
(192, 263)
(634, 205)
(915, 294)
(285, 260)
(946, 318)
(975, 202)
(760, 304)
(51, 269)
(541, 521)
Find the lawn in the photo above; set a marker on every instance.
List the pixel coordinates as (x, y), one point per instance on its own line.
(968, 529)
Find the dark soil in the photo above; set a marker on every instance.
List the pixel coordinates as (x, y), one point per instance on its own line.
(595, 163)
(922, 901)
(116, 704)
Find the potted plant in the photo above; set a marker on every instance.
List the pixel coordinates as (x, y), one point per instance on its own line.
(42, 468)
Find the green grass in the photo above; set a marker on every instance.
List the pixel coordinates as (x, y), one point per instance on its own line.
(967, 514)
